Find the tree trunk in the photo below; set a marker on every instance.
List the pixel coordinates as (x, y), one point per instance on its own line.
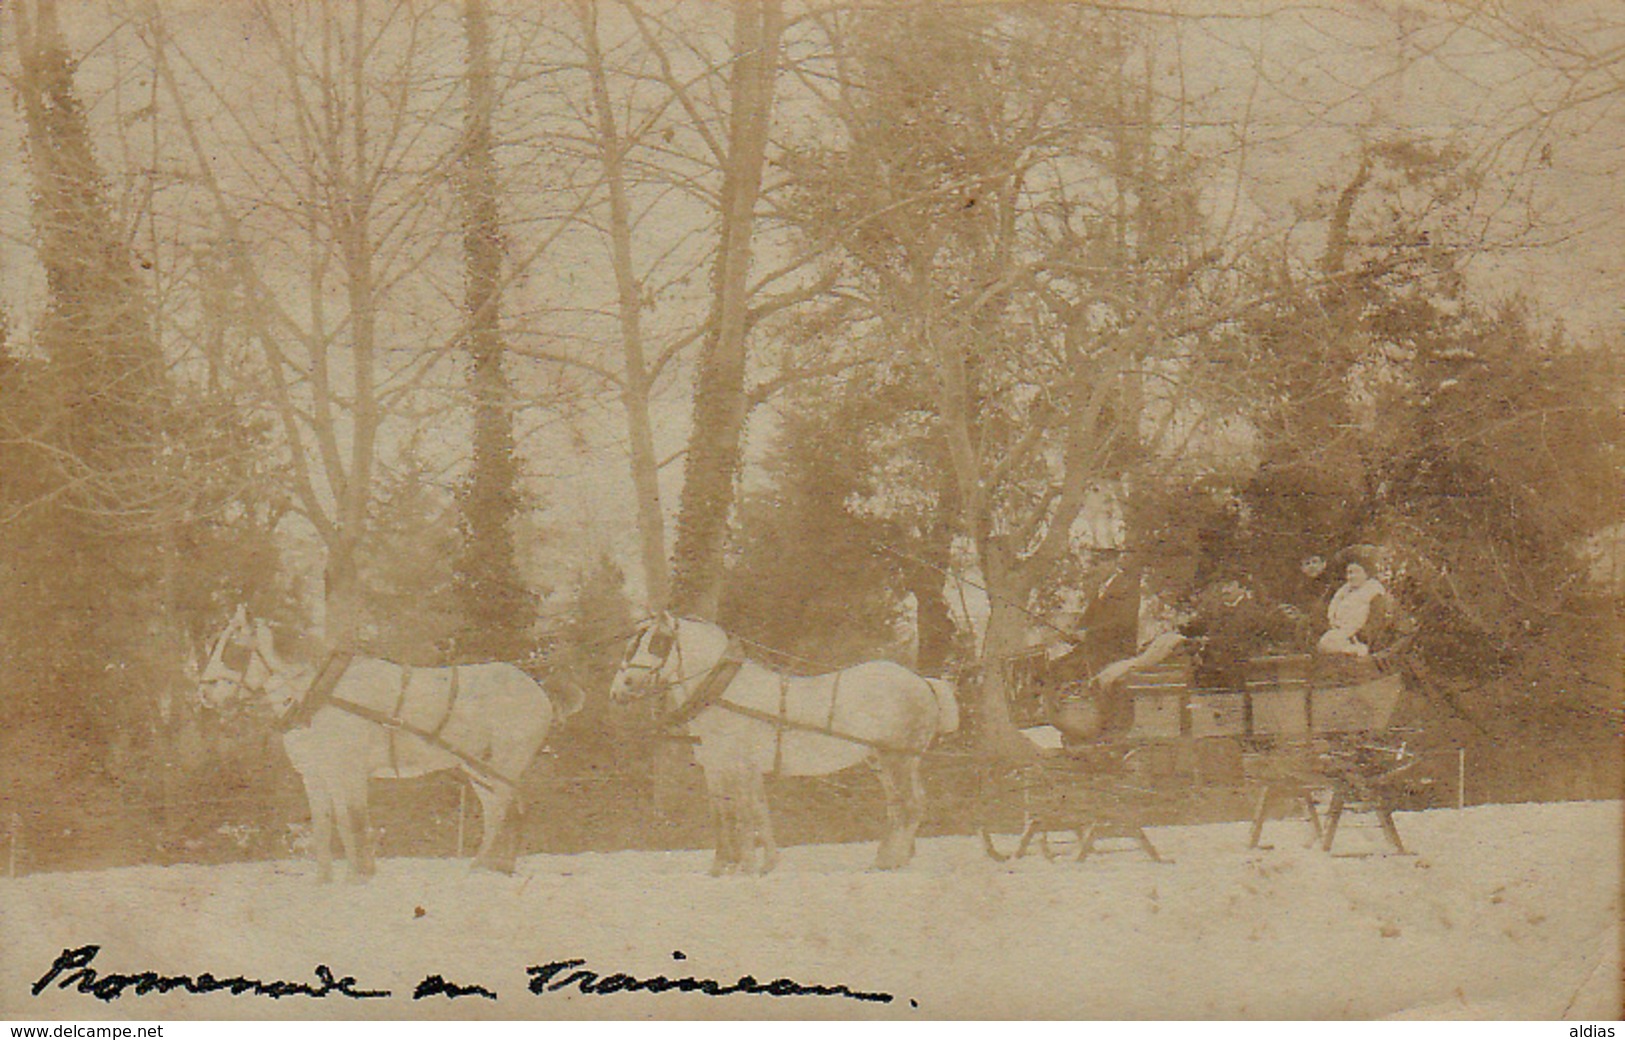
(341, 625)
(356, 250)
(629, 300)
(496, 606)
(646, 485)
(1004, 638)
(715, 443)
(926, 578)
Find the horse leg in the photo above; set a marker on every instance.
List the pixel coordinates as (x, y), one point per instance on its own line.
(497, 850)
(723, 793)
(914, 803)
(366, 862)
(761, 823)
(744, 807)
(321, 827)
(355, 827)
(732, 846)
(514, 833)
(893, 847)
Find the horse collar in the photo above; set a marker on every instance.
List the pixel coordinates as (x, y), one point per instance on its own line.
(712, 685)
(321, 689)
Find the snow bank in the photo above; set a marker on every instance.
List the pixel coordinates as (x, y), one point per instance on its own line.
(1506, 911)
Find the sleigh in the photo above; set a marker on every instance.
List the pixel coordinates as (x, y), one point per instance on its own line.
(1160, 749)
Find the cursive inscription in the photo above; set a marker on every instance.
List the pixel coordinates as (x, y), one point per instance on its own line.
(436, 986)
(72, 969)
(557, 975)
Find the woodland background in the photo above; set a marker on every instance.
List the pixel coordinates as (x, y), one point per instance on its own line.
(472, 330)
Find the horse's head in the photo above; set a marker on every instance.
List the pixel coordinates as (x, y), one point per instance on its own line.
(242, 664)
(653, 661)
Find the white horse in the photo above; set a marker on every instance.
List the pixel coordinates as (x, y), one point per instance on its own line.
(379, 719)
(749, 721)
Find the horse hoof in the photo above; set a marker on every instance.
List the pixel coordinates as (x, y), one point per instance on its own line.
(888, 860)
(359, 871)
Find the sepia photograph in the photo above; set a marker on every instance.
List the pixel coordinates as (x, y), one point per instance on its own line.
(896, 510)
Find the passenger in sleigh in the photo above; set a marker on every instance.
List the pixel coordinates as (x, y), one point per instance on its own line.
(1099, 707)
(1359, 618)
(1229, 627)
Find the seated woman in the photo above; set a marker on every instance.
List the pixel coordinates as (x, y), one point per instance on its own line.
(1352, 610)
(1357, 612)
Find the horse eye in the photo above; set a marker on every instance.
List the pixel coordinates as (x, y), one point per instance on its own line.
(660, 644)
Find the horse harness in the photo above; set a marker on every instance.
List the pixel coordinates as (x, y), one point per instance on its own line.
(399, 716)
(251, 651)
(321, 689)
(713, 687)
(321, 695)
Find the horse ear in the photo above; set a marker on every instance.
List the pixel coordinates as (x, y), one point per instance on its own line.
(211, 668)
(263, 641)
(240, 618)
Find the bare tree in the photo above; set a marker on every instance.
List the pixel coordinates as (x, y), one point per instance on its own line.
(678, 129)
(343, 223)
(714, 451)
(1033, 246)
(637, 374)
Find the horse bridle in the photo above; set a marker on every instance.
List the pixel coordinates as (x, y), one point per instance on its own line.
(656, 630)
(252, 648)
(710, 686)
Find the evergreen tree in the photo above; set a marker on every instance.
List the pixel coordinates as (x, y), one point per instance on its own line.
(811, 576)
(100, 578)
(498, 609)
(135, 508)
(1478, 452)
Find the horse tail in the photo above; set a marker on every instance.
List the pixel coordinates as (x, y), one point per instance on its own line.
(947, 704)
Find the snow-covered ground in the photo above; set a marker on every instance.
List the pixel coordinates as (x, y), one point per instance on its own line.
(1505, 911)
